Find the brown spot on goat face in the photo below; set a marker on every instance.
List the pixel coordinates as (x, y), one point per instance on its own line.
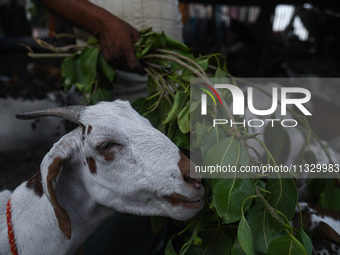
(108, 149)
(61, 214)
(89, 129)
(92, 165)
(184, 164)
(108, 155)
(35, 184)
(184, 167)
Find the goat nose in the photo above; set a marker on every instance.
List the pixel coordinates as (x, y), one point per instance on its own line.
(194, 182)
(184, 167)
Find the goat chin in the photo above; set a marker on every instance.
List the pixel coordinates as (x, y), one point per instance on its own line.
(113, 161)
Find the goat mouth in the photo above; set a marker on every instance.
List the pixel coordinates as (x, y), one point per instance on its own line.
(176, 199)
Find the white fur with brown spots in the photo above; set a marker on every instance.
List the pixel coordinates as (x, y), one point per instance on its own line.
(114, 161)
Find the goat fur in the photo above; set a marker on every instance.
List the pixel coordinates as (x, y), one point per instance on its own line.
(114, 161)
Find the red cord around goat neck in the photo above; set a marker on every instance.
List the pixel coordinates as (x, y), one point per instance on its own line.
(11, 238)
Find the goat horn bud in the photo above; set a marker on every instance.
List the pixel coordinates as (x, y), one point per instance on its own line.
(71, 113)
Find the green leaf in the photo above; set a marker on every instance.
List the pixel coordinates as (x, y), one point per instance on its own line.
(151, 86)
(163, 109)
(228, 197)
(277, 141)
(153, 118)
(198, 241)
(181, 140)
(285, 245)
(212, 244)
(68, 73)
(203, 62)
(237, 250)
(315, 188)
(92, 40)
(183, 119)
(226, 152)
(158, 223)
(245, 237)
(306, 241)
(330, 198)
(106, 68)
(208, 139)
(86, 69)
(263, 227)
(179, 103)
(194, 105)
(283, 195)
(150, 42)
(101, 94)
(172, 128)
(169, 249)
(200, 130)
(80, 86)
(176, 45)
(219, 73)
(140, 105)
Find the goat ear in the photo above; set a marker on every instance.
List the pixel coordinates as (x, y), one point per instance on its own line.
(51, 167)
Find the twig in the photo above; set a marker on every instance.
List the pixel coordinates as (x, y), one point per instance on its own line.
(200, 75)
(162, 81)
(254, 150)
(49, 55)
(184, 58)
(153, 65)
(270, 209)
(180, 62)
(155, 79)
(79, 37)
(53, 48)
(173, 86)
(158, 101)
(44, 55)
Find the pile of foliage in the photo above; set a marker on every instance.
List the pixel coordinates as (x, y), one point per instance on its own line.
(242, 215)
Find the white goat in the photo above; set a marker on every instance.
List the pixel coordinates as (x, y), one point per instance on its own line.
(114, 160)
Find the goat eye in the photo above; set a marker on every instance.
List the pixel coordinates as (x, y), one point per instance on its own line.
(105, 146)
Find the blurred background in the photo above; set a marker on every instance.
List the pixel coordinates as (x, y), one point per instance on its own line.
(259, 39)
(267, 38)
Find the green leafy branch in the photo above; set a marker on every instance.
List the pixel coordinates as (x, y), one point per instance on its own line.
(242, 215)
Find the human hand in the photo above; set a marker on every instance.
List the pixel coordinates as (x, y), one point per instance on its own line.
(117, 40)
(116, 37)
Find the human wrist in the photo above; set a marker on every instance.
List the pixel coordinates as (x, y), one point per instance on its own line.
(101, 22)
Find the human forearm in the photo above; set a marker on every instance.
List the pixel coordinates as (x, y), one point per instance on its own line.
(115, 36)
(79, 13)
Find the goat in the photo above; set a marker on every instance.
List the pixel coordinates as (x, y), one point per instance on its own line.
(113, 161)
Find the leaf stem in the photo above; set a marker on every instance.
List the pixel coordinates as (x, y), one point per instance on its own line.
(157, 82)
(267, 151)
(158, 79)
(180, 62)
(180, 56)
(270, 209)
